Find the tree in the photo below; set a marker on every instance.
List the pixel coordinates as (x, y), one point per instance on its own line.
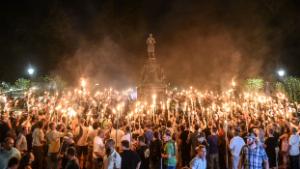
(56, 82)
(279, 87)
(22, 83)
(292, 88)
(254, 84)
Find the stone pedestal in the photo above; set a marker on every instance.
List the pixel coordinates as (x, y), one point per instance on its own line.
(152, 80)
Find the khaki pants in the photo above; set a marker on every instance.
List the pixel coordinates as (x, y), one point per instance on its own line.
(214, 161)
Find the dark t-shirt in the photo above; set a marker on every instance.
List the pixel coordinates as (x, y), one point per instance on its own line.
(130, 159)
(72, 164)
(184, 137)
(155, 150)
(185, 147)
(4, 129)
(212, 141)
(144, 153)
(271, 143)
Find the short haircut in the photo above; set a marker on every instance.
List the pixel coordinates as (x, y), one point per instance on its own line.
(12, 162)
(156, 134)
(214, 129)
(110, 142)
(168, 133)
(271, 131)
(200, 147)
(71, 151)
(141, 138)
(8, 138)
(125, 143)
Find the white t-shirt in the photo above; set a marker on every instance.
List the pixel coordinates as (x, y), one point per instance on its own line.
(98, 146)
(127, 137)
(294, 143)
(38, 137)
(21, 143)
(112, 161)
(236, 144)
(198, 163)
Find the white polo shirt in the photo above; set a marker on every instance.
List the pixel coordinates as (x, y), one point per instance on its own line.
(294, 143)
(236, 144)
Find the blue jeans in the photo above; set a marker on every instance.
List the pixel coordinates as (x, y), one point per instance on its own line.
(171, 167)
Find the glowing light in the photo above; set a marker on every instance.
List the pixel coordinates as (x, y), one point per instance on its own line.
(71, 112)
(83, 83)
(281, 72)
(30, 71)
(154, 99)
(233, 83)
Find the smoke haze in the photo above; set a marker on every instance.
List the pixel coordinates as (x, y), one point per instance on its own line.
(199, 43)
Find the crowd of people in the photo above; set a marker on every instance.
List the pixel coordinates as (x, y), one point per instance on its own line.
(79, 129)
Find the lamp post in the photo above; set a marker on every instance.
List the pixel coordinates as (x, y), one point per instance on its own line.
(30, 71)
(281, 73)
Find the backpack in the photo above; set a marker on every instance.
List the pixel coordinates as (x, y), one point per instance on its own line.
(244, 163)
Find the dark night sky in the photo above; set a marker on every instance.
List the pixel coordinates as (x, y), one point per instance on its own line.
(198, 42)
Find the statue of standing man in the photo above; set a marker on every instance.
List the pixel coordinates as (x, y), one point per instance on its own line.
(151, 46)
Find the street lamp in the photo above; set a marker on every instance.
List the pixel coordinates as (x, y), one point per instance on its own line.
(281, 73)
(30, 71)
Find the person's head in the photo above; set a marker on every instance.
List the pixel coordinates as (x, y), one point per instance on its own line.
(109, 145)
(52, 126)
(251, 139)
(167, 136)
(294, 130)
(182, 128)
(169, 124)
(201, 151)
(13, 163)
(9, 143)
(39, 124)
(101, 133)
(127, 129)
(156, 135)
(214, 130)
(115, 125)
(27, 159)
(237, 131)
(270, 131)
(125, 145)
(141, 140)
(95, 125)
(71, 152)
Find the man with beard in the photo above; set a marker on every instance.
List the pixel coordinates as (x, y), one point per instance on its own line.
(73, 162)
(144, 153)
(112, 159)
(184, 145)
(130, 159)
(294, 142)
(253, 155)
(199, 161)
(169, 154)
(155, 151)
(7, 152)
(235, 146)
